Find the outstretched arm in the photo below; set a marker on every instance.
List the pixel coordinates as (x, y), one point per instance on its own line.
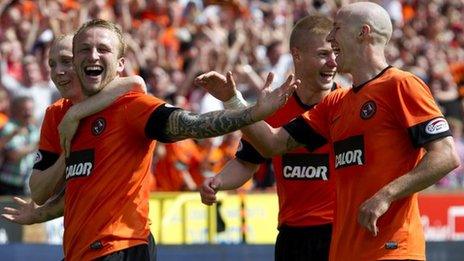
(440, 159)
(96, 103)
(45, 183)
(183, 124)
(30, 213)
(267, 140)
(234, 174)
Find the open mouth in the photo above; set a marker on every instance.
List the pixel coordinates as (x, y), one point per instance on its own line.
(327, 74)
(94, 70)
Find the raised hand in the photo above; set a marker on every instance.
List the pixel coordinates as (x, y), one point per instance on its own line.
(222, 88)
(25, 214)
(269, 101)
(208, 190)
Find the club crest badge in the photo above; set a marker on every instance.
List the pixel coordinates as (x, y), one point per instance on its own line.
(98, 126)
(368, 110)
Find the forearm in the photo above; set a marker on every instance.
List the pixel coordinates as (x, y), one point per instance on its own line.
(269, 141)
(126, 16)
(106, 96)
(52, 209)
(183, 124)
(433, 166)
(235, 173)
(44, 184)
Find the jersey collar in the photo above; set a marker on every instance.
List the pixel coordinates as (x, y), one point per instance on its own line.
(304, 105)
(359, 87)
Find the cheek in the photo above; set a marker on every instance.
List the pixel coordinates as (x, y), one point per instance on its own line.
(53, 76)
(70, 71)
(315, 65)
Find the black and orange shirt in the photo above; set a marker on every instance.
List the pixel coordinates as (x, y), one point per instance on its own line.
(305, 186)
(377, 131)
(107, 173)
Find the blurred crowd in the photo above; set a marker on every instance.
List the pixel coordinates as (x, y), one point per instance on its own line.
(171, 42)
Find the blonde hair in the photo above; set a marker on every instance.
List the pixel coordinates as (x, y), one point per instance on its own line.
(308, 27)
(103, 24)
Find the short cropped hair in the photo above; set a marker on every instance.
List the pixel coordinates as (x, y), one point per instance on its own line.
(308, 27)
(103, 24)
(60, 38)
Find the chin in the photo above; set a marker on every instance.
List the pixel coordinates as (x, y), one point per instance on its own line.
(91, 90)
(324, 85)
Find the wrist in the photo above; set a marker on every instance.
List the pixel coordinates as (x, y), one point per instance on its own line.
(255, 115)
(235, 102)
(37, 215)
(386, 194)
(73, 113)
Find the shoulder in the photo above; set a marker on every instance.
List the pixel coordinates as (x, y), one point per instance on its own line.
(136, 96)
(400, 77)
(56, 111)
(60, 105)
(137, 102)
(335, 95)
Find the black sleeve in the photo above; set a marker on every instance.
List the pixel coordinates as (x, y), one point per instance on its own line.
(156, 124)
(428, 131)
(44, 159)
(304, 134)
(248, 153)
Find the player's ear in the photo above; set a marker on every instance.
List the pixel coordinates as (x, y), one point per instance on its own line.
(120, 67)
(295, 54)
(364, 32)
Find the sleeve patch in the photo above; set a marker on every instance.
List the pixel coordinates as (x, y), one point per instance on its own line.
(428, 131)
(436, 126)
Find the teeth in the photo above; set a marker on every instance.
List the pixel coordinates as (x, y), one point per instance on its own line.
(93, 68)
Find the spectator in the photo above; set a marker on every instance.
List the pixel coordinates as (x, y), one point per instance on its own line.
(22, 135)
(182, 38)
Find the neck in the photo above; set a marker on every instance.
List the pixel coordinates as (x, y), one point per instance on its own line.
(310, 95)
(373, 62)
